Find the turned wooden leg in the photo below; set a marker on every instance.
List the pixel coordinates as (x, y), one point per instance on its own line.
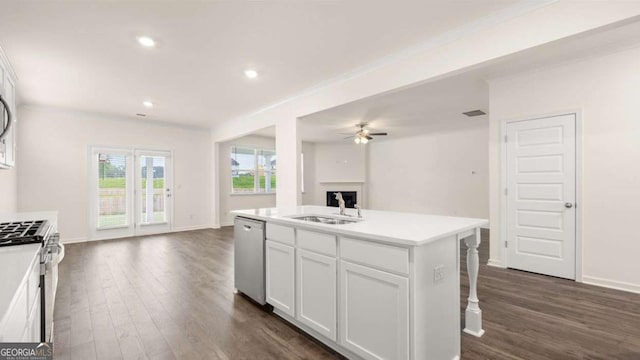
(473, 314)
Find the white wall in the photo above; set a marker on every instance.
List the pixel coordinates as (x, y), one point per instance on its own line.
(52, 164)
(8, 191)
(444, 171)
(310, 173)
(606, 89)
(340, 167)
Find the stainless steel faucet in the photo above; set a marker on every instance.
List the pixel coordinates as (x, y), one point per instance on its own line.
(358, 208)
(340, 202)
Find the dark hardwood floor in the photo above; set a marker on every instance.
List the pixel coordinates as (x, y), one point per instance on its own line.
(170, 297)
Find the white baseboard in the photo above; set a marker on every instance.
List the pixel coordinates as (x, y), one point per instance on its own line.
(496, 263)
(612, 284)
(73, 241)
(230, 223)
(190, 228)
(174, 230)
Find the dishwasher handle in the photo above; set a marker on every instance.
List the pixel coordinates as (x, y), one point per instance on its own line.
(246, 227)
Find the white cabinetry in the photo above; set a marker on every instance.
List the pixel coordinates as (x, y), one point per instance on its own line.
(374, 312)
(8, 91)
(21, 321)
(280, 276)
(316, 292)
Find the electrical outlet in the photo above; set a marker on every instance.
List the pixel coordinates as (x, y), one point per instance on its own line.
(438, 273)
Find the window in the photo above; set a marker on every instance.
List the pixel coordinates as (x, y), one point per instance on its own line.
(253, 170)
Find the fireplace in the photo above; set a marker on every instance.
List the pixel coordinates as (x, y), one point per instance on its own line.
(350, 198)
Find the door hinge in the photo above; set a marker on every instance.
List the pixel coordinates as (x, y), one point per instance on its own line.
(506, 244)
(506, 139)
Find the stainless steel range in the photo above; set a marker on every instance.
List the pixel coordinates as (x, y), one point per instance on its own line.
(38, 231)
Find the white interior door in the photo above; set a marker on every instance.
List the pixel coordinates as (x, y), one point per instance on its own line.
(153, 185)
(541, 195)
(111, 193)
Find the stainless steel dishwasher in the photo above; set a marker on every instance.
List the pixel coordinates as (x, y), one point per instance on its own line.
(248, 239)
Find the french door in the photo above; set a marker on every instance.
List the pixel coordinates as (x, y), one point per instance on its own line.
(130, 192)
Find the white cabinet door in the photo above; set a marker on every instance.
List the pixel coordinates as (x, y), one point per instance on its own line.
(280, 274)
(7, 144)
(316, 292)
(374, 312)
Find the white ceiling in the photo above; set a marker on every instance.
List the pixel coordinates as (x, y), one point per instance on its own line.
(429, 107)
(438, 105)
(84, 55)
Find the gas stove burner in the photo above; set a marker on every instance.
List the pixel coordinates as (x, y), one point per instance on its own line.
(23, 232)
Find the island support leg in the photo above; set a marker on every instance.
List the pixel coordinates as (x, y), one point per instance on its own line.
(473, 314)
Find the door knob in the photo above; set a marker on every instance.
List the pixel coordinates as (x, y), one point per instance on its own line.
(568, 205)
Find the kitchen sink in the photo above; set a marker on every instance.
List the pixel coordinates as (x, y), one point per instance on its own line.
(324, 219)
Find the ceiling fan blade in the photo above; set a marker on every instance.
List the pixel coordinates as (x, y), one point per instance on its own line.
(369, 137)
(379, 134)
(345, 134)
(349, 137)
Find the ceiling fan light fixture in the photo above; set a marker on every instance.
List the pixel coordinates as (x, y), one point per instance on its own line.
(356, 139)
(364, 140)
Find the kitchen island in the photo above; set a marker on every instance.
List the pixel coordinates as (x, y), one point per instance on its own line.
(384, 286)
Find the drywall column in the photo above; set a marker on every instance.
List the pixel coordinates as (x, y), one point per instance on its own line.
(215, 182)
(288, 147)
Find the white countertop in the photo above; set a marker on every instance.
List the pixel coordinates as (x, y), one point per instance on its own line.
(386, 226)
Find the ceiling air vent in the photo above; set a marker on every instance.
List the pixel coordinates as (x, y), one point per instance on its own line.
(475, 113)
(141, 115)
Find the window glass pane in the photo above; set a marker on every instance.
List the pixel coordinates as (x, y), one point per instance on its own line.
(267, 170)
(243, 163)
(112, 190)
(152, 189)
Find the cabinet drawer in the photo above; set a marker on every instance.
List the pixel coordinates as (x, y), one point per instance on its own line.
(279, 233)
(384, 257)
(318, 242)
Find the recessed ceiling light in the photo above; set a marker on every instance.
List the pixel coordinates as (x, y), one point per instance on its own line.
(147, 103)
(146, 41)
(251, 74)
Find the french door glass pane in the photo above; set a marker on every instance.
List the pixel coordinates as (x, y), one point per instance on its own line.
(153, 200)
(112, 190)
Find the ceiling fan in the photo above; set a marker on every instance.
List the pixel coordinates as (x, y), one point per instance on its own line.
(363, 134)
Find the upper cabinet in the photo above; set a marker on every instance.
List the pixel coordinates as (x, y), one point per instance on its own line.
(8, 91)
